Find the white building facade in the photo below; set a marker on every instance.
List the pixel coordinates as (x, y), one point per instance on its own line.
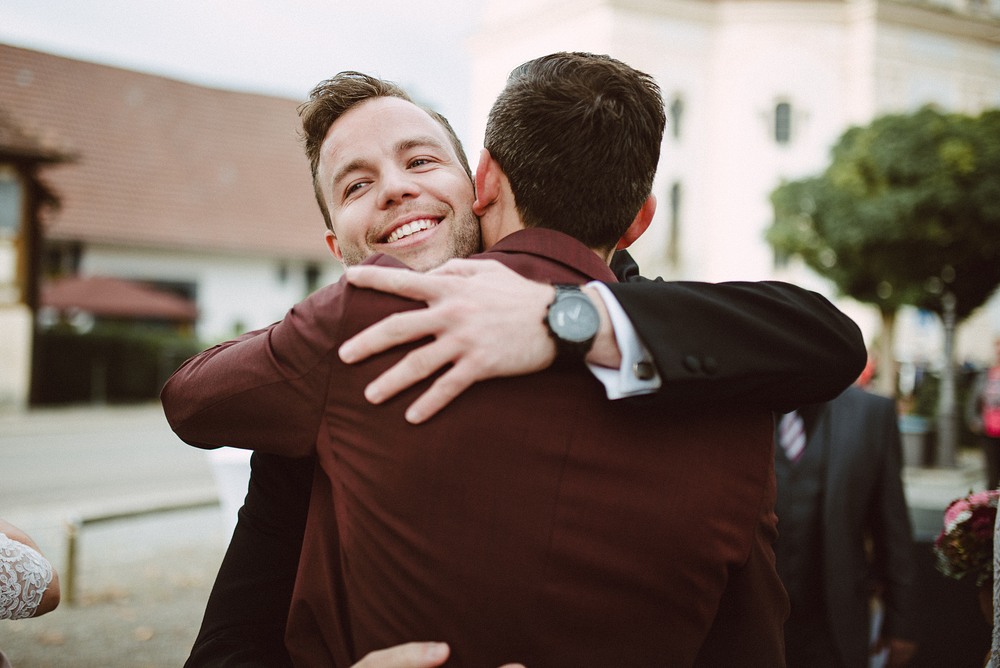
(757, 92)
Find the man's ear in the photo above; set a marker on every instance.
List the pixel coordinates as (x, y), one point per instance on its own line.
(487, 182)
(331, 243)
(639, 224)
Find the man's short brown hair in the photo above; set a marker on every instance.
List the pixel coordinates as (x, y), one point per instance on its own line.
(331, 99)
(578, 136)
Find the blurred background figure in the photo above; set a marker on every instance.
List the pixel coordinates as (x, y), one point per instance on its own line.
(844, 534)
(982, 413)
(29, 586)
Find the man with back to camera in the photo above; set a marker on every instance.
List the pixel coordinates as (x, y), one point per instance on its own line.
(505, 204)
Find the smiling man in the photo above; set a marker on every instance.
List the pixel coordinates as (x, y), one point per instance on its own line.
(396, 183)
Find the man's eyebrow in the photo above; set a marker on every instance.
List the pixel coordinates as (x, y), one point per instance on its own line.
(353, 165)
(417, 142)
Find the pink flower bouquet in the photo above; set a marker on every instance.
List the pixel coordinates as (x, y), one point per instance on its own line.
(965, 546)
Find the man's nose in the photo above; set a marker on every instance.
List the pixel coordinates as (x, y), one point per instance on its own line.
(396, 186)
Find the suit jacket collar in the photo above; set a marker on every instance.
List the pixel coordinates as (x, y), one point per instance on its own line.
(557, 247)
(812, 416)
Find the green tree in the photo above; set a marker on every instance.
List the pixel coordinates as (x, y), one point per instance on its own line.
(907, 212)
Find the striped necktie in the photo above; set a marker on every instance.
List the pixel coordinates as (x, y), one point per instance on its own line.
(792, 435)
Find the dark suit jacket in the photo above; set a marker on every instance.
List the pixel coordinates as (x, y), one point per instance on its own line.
(863, 497)
(764, 343)
(511, 525)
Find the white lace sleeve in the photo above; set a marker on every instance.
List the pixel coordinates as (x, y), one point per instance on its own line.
(24, 576)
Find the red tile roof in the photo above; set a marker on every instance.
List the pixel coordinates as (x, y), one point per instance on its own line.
(165, 164)
(116, 298)
(16, 144)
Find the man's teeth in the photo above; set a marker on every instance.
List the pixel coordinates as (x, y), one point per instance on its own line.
(412, 227)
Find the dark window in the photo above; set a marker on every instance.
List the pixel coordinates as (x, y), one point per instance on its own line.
(783, 123)
(312, 277)
(674, 233)
(781, 259)
(10, 206)
(186, 289)
(61, 259)
(676, 112)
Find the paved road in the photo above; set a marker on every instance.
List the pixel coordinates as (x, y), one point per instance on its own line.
(58, 458)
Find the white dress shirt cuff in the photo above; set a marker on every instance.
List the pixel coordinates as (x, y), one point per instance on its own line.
(637, 374)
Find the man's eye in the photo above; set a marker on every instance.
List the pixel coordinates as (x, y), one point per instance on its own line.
(420, 162)
(354, 187)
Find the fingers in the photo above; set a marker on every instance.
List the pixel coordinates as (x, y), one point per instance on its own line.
(387, 333)
(470, 316)
(441, 393)
(414, 367)
(410, 655)
(402, 282)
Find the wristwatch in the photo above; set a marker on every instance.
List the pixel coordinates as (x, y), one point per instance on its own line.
(572, 321)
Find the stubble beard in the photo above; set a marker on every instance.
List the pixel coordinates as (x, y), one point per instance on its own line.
(465, 239)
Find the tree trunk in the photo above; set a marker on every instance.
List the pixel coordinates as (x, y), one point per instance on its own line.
(947, 418)
(885, 375)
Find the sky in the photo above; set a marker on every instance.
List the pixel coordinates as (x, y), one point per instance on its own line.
(277, 47)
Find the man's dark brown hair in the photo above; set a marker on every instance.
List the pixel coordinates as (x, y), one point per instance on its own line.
(331, 99)
(578, 136)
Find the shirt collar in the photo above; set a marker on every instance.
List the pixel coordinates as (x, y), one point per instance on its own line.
(557, 246)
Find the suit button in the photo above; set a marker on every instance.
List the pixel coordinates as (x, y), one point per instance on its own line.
(710, 365)
(644, 370)
(692, 364)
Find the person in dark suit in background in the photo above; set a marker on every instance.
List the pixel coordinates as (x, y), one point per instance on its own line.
(712, 343)
(844, 533)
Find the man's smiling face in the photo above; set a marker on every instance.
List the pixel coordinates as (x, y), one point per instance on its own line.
(393, 184)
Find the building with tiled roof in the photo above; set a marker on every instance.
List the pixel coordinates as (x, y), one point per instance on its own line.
(166, 164)
(200, 190)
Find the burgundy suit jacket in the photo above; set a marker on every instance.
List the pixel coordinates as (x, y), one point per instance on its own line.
(532, 520)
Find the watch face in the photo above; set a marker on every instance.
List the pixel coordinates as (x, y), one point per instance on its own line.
(574, 318)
